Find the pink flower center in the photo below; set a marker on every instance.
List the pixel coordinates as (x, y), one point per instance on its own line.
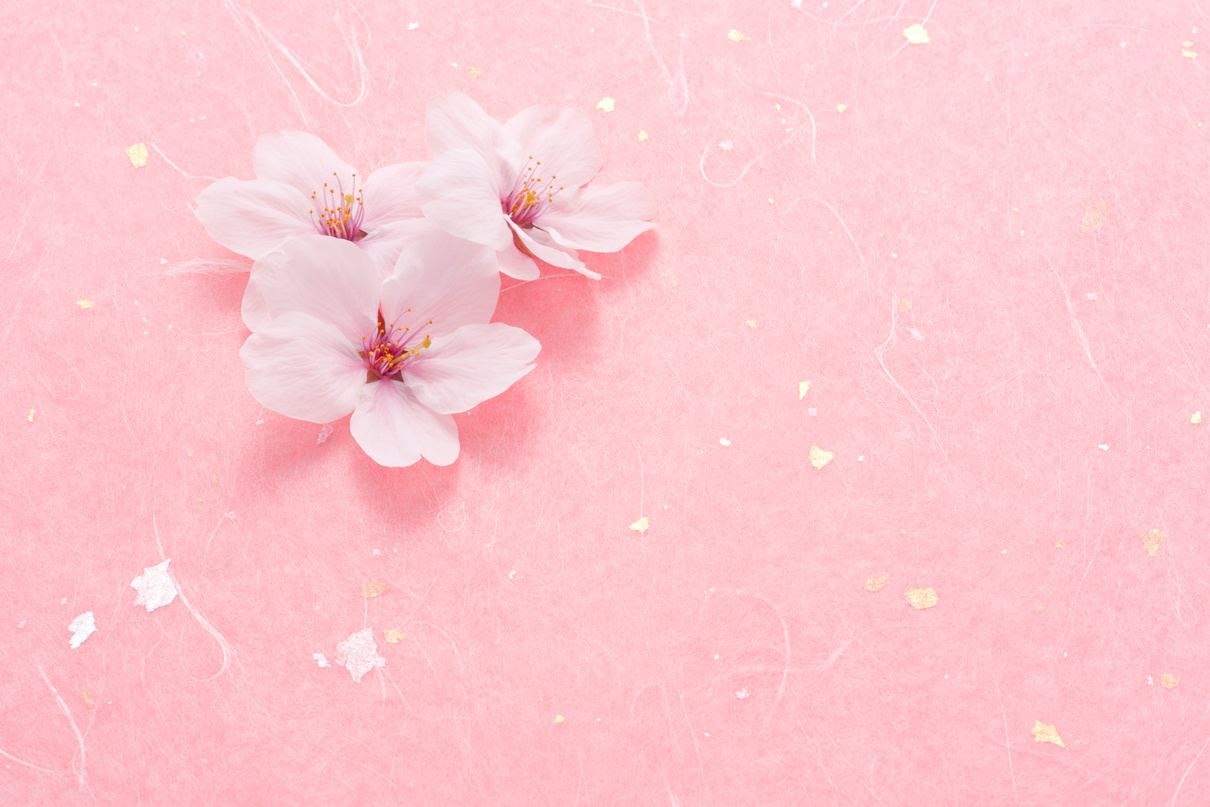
(387, 350)
(529, 195)
(338, 212)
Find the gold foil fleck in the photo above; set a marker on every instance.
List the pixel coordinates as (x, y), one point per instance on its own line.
(137, 154)
(1058, 545)
(1188, 43)
(905, 306)
(642, 134)
(1188, 54)
(30, 416)
(189, 453)
(1196, 417)
(1095, 216)
(1003, 551)
(716, 656)
(920, 598)
(819, 457)
(605, 104)
(476, 71)
(88, 701)
(1016, 210)
(85, 303)
(1046, 734)
(558, 718)
(1041, 608)
(916, 34)
(373, 588)
(735, 35)
(393, 636)
(751, 323)
(641, 525)
(841, 107)
(1152, 541)
(803, 386)
(1168, 680)
(875, 583)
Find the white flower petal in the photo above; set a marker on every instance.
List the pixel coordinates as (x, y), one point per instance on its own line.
(253, 217)
(385, 244)
(516, 264)
(457, 122)
(303, 368)
(562, 139)
(328, 278)
(395, 429)
(465, 198)
(301, 160)
(543, 247)
(390, 195)
(443, 279)
(469, 366)
(600, 219)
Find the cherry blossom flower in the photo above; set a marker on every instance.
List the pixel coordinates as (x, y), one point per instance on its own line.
(330, 337)
(303, 187)
(516, 187)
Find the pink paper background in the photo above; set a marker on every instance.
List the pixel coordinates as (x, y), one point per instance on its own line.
(1032, 182)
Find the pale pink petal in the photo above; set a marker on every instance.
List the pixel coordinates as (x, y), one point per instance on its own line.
(385, 244)
(443, 279)
(465, 198)
(562, 139)
(303, 368)
(253, 217)
(301, 160)
(470, 365)
(516, 264)
(327, 278)
(395, 429)
(543, 247)
(390, 195)
(599, 219)
(457, 122)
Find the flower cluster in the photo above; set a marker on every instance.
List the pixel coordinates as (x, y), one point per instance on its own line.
(373, 295)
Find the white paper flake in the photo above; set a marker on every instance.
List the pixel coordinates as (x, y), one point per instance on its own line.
(359, 654)
(321, 659)
(155, 587)
(81, 628)
(412, 26)
(741, 694)
(324, 434)
(723, 441)
(1103, 447)
(726, 145)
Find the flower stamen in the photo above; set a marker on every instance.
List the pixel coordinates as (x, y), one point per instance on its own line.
(529, 195)
(389, 348)
(341, 213)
